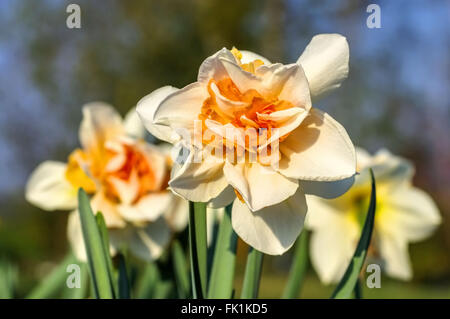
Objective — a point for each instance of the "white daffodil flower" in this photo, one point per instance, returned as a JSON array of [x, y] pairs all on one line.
[[404, 214], [126, 177], [297, 149]]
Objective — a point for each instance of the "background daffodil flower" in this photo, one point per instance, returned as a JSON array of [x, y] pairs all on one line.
[[404, 214], [126, 177], [238, 90]]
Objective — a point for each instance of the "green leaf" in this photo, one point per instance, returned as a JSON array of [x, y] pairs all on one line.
[[53, 282], [298, 268], [148, 281], [123, 282], [198, 249], [96, 250], [8, 279], [252, 275], [180, 270], [222, 272], [349, 281], [78, 293], [101, 224]]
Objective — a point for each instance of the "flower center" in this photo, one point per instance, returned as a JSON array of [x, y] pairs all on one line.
[[116, 167]]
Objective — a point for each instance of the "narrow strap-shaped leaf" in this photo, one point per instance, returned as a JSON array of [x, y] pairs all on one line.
[[198, 249], [123, 281], [298, 268], [222, 272], [95, 249], [148, 281], [348, 282], [181, 270], [358, 289], [79, 293], [105, 240], [252, 275], [53, 282]]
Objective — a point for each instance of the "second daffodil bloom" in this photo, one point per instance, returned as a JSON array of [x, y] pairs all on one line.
[[403, 214], [236, 94], [126, 177]]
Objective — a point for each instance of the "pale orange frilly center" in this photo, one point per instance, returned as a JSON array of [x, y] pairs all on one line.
[[106, 166]]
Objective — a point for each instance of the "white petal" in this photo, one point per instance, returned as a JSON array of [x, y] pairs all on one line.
[[146, 109], [325, 62], [127, 190], [100, 203], [212, 67], [100, 123], [318, 150], [242, 79], [408, 213], [394, 253], [133, 124], [286, 121], [327, 189], [225, 198], [148, 208], [391, 170], [198, 182], [147, 242], [227, 106], [75, 236], [296, 89], [181, 109], [363, 158], [48, 188], [259, 186], [333, 240], [274, 229], [287, 82], [177, 215], [248, 56], [120, 157]]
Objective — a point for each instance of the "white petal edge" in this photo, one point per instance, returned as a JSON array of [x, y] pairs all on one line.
[[327, 190], [333, 240], [198, 181], [146, 109], [146, 243], [75, 237], [249, 56], [133, 124], [47, 187], [180, 109], [408, 213], [177, 215], [149, 208], [318, 150], [325, 62], [101, 122], [274, 229], [258, 185]]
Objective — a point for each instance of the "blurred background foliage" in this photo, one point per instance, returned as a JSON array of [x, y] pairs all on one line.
[[396, 96]]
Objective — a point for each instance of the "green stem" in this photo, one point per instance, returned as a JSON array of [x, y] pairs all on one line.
[[298, 268], [198, 248], [252, 275], [358, 290], [222, 272]]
